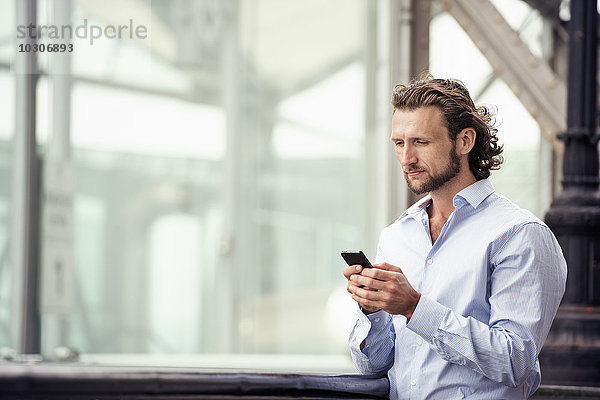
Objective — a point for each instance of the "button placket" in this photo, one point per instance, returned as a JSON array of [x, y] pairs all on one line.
[[426, 271]]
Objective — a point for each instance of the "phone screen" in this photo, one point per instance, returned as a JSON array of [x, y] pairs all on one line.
[[353, 257]]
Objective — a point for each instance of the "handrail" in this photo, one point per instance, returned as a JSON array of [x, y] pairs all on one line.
[[54, 381]]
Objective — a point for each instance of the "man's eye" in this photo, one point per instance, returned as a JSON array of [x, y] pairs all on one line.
[[421, 142], [399, 144]]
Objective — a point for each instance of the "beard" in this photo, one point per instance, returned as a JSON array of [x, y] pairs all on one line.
[[434, 182]]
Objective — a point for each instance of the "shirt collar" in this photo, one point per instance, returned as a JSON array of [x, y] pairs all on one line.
[[473, 194], [417, 209]]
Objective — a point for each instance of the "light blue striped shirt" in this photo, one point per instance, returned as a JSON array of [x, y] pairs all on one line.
[[490, 285]]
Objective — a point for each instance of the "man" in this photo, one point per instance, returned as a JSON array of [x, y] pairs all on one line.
[[466, 284]]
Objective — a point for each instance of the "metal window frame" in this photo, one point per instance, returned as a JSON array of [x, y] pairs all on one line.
[[25, 337]]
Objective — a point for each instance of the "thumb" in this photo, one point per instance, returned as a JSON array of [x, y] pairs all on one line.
[[388, 267]]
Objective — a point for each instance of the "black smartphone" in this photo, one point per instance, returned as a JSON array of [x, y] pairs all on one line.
[[353, 257]]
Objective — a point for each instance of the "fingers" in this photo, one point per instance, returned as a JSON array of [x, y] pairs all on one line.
[[351, 270], [353, 284], [364, 296], [381, 272], [366, 305], [382, 288], [366, 282], [388, 267], [371, 272]]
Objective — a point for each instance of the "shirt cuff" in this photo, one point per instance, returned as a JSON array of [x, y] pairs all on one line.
[[375, 321], [378, 320], [366, 324], [427, 318]]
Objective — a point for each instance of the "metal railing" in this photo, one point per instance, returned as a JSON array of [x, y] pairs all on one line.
[[48, 381]]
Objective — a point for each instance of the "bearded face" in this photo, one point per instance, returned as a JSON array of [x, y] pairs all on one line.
[[425, 182], [424, 148]]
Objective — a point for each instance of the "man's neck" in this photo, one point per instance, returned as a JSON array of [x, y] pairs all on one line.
[[442, 204]]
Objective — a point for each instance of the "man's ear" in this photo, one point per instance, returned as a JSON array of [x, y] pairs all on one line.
[[465, 141]]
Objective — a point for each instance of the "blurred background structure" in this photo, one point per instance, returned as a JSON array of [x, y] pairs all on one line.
[[182, 198]]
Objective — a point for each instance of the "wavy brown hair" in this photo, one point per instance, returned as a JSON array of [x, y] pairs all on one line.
[[459, 111]]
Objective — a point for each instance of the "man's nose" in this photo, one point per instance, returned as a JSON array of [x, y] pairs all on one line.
[[407, 156]]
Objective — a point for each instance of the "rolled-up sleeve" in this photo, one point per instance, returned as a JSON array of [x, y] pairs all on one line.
[[377, 331]]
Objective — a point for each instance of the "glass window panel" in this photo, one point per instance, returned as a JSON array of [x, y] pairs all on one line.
[[525, 20], [7, 129], [250, 123], [453, 54], [518, 178], [7, 118], [175, 283], [7, 32]]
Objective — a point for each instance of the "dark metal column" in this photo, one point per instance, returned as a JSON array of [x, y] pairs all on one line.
[[572, 351]]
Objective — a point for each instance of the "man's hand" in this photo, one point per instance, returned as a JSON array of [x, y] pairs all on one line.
[[349, 272], [383, 287]]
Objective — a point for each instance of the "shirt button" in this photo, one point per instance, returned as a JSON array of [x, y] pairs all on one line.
[[430, 261], [413, 382], [377, 319], [420, 342]]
